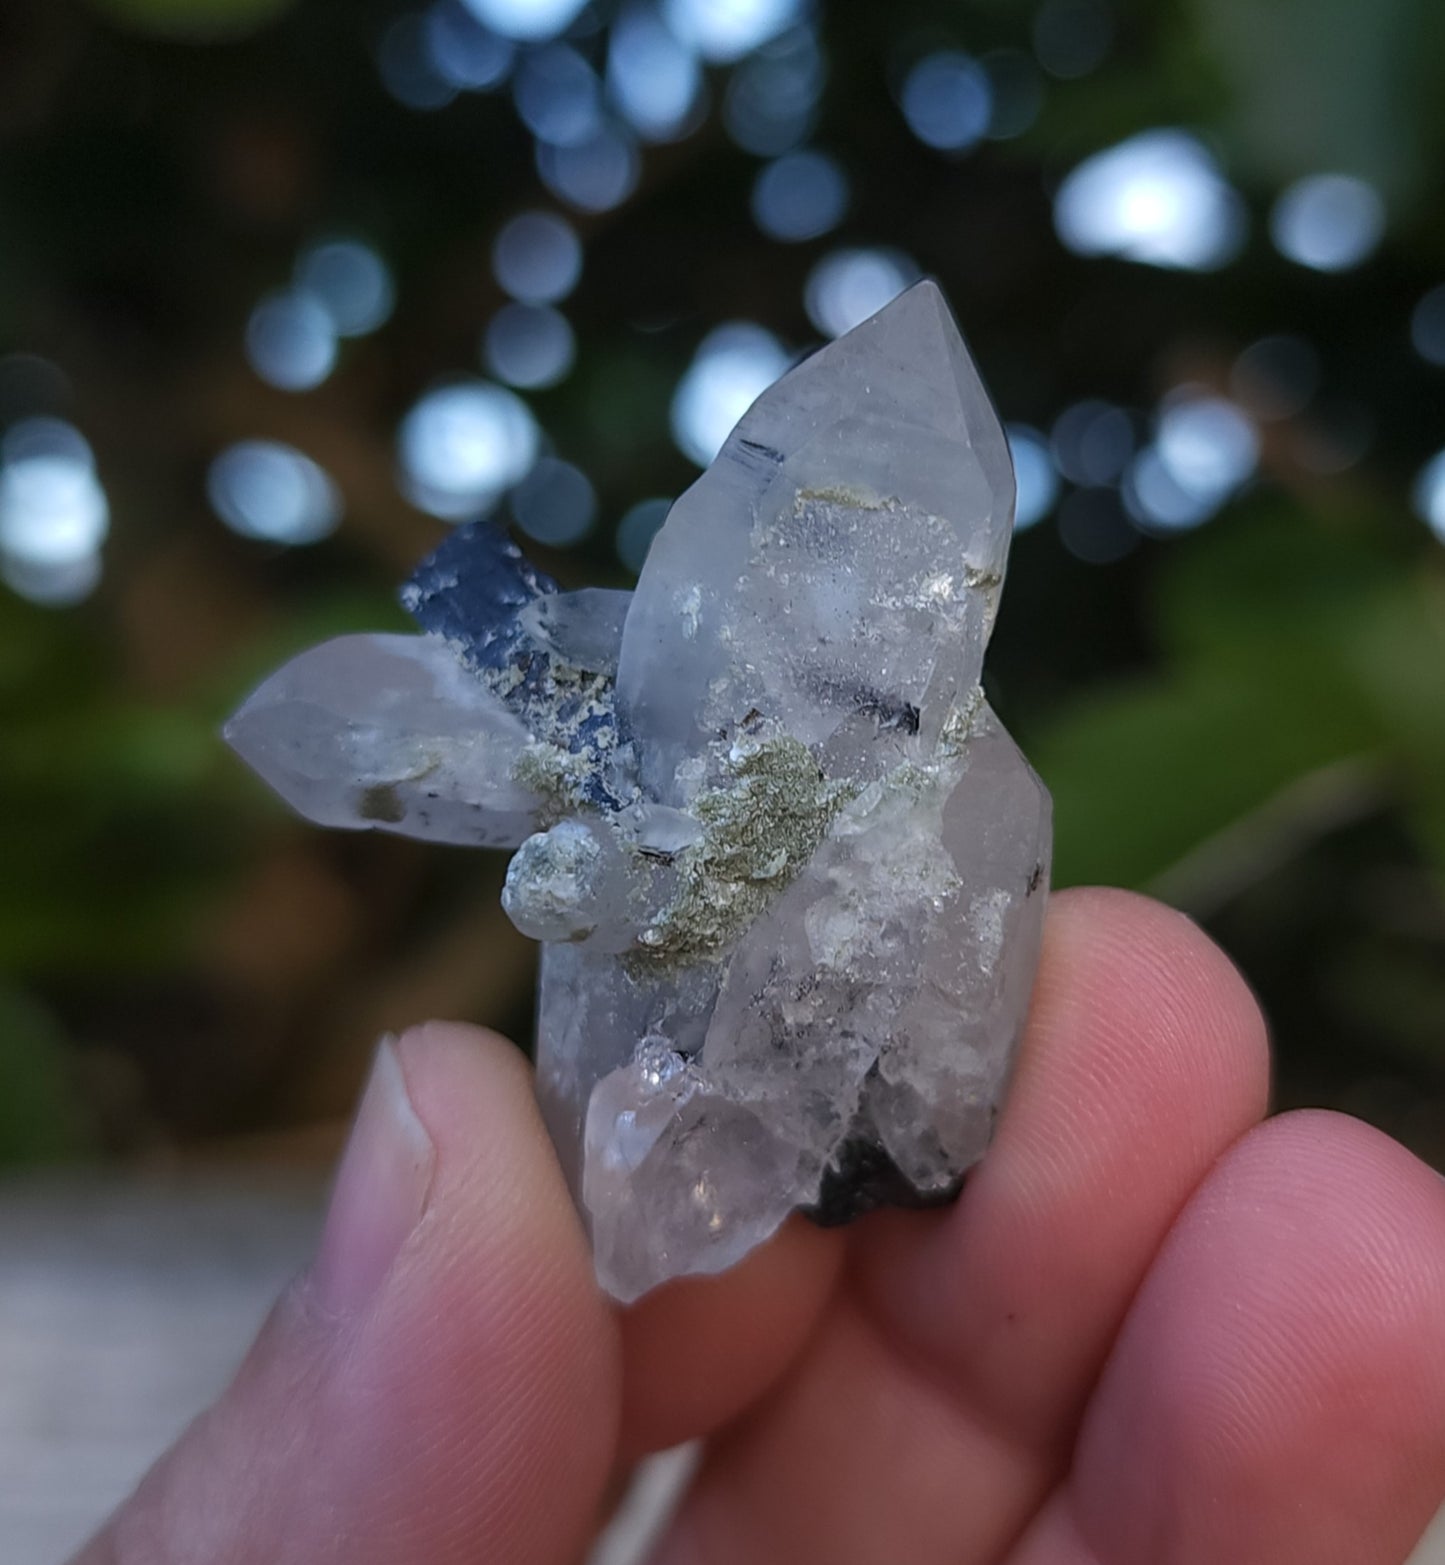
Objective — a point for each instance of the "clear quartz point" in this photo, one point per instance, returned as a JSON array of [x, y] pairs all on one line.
[[583, 629], [788, 869], [838, 566], [389, 732]]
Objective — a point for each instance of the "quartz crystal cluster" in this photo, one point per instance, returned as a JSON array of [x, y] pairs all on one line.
[[787, 867]]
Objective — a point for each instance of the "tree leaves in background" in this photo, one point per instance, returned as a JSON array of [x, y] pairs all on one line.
[[1330, 85], [40, 1120], [1304, 680], [124, 819]]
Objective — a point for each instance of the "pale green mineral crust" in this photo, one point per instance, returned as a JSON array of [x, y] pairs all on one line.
[[758, 832], [555, 775]]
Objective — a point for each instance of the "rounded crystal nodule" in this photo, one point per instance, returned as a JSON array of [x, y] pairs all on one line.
[[657, 1060], [554, 888]]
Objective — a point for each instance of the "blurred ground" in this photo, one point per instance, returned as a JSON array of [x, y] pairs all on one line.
[[124, 1308]]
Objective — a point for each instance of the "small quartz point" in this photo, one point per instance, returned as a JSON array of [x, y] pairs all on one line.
[[787, 867], [390, 732]]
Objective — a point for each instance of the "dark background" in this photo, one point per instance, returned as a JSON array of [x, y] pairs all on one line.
[[1223, 641]]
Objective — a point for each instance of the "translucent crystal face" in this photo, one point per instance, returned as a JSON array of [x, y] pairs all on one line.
[[787, 867], [838, 562]]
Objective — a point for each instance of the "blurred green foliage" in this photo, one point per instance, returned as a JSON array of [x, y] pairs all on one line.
[[1288, 650], [1332, 84], [39, 1115], [1248, 720]]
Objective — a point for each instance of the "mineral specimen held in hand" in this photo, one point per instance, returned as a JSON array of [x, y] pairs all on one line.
[[787, 866]]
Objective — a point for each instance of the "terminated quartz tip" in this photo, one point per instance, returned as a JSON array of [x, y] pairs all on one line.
[[787, 866]]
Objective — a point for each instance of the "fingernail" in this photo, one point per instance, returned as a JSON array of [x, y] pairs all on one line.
[[381, 1191]]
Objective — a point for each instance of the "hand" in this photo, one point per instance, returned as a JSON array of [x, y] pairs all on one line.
[[1153, 1331]]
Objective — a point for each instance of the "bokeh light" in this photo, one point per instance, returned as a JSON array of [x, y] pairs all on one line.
[[1335, 436], [267, 490], [32, 438], [555, 503], [1092, 442], [1017, 90], [1034, 473], [530, 21], [1158, 502], [640, 524], [947, 99], [1158, 198], [1427, 326], [31, 385], [848, 286], [537, 257], [529, 345], [351, 282], [1276, 377], [725, 30], [733, 366], [1205, 447], [54, 514], [594, 175], [1094, 528], [800, 196], [291, 341], [558, 96], [462, 52], [1072, 37], [654, 80], [1430, 495], [54, 585], [407, 62], [1328, 222], [772, 98], [53, 509], [1208, 444], [462, 445]]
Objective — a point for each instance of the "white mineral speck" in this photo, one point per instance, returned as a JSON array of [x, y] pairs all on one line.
[[689, 611]]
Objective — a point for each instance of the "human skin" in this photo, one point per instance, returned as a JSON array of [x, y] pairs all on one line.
[[1154, 1330]]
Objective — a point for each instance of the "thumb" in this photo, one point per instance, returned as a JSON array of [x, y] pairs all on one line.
[[442, 1384]]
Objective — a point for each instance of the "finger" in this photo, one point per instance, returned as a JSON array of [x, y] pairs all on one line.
[[1146, 1056], [443, 1385], [935, 1413], [700, 1351], [1277, 1396]]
